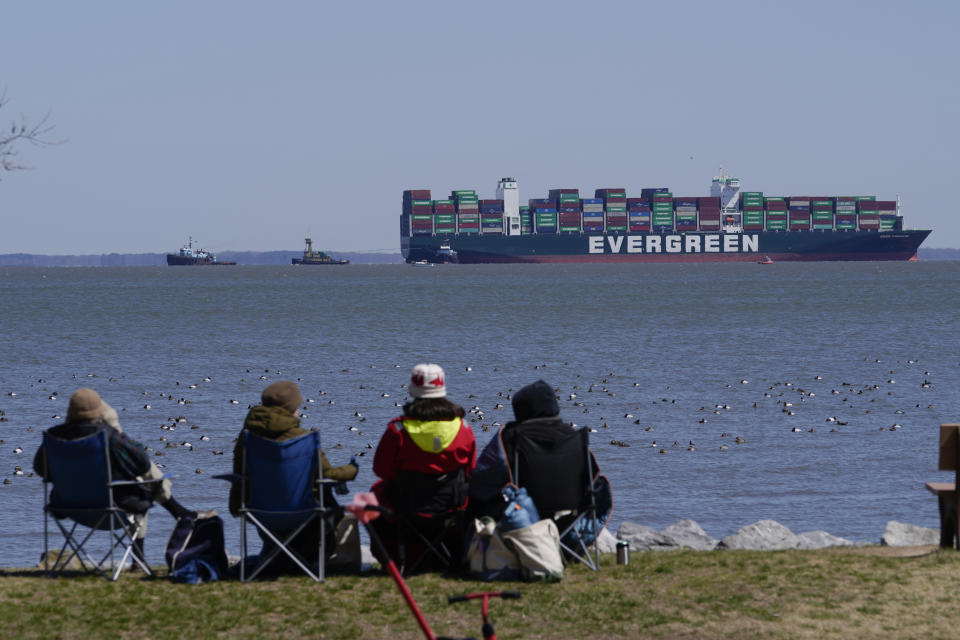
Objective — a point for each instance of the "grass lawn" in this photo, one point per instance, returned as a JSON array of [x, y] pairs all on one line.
[[863, 592]]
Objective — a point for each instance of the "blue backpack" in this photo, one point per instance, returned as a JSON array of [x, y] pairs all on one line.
[[520, 511]]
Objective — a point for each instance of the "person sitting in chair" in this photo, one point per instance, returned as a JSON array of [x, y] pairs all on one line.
[[430, 439], [275, 418], [536, 416], [88, 414]]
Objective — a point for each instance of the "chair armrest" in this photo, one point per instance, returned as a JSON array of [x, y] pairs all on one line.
[[230, 477], [122, 483]]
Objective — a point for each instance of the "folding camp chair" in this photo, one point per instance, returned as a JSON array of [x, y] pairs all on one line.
[[83, 492], [430, 512], [559, 474], [277, 497]]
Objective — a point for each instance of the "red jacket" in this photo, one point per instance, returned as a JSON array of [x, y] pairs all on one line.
[[398, 451]]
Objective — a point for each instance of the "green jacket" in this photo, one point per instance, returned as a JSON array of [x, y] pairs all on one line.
[[276, 423]]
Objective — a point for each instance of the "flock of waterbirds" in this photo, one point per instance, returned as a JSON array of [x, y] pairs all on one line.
[[630, 413]]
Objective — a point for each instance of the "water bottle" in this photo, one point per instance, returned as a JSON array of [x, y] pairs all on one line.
[[623, 552]]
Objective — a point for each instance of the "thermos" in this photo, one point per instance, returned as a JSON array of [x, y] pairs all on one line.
[[623, 552]]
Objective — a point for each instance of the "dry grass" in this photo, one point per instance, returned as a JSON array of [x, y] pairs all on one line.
[[871, 592]]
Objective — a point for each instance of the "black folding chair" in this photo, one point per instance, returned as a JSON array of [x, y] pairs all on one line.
[[430, 511], [559, 473], [83, 487]]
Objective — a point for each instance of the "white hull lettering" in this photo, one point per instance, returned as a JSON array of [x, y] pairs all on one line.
[[692, 243]]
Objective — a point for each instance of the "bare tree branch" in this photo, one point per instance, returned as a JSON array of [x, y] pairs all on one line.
[[22, 132]]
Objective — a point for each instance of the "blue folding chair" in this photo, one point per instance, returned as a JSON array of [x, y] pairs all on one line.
[[277, 496], [83, 492]]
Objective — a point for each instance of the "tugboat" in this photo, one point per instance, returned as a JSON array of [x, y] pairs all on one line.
[[188, 256], [765, 260], [315, 257], [446, 255]]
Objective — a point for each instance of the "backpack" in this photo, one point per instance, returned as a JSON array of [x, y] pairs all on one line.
[[195, 551]]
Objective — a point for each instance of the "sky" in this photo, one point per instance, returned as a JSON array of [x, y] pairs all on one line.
[[250, 125]]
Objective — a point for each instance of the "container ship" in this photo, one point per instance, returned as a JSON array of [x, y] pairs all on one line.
[[188, 256], [728, 226]]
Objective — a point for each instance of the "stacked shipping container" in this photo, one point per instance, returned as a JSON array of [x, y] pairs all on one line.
[[468, 210], [544, 213], [821, 213], [708, 210], [887, 210], [752, 206], [491, 216], [567, 202], [661, 208], [638, 214], [798, 213], [615, 208], [845, 213], [868, 216], [592, 214], [418, 209], [775, 213], [656, 210]]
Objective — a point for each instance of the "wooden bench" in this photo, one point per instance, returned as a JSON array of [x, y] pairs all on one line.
[[946, 492]]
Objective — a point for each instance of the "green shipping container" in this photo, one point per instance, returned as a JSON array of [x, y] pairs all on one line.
[[443, 202], [421, 216], [464, 192], [569, 228], [421, 203]]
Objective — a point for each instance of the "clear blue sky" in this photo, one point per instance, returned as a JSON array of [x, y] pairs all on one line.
[[249, 125]]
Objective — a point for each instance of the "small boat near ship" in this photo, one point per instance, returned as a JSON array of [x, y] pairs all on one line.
[[765, 260], [188, 256], [316, 257]]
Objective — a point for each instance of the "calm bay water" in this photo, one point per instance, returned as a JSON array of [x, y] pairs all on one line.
[[697, 352]]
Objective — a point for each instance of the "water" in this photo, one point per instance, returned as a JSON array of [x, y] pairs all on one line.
[[660, 344]]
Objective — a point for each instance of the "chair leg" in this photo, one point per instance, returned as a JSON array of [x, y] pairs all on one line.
[[243, 546], [284, 547]]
